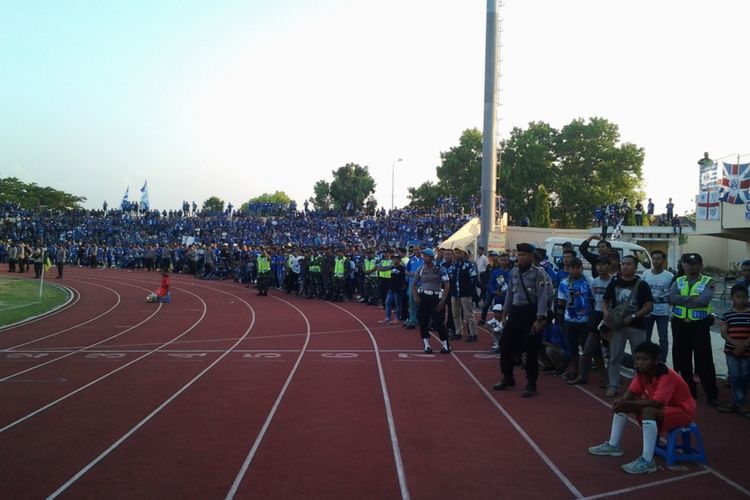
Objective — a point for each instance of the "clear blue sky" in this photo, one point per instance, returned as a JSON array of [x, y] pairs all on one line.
[[237, 98]]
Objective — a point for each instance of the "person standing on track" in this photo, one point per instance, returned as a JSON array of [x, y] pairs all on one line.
[[264, 272], [524, 318], [658, 397], [430, 289], [690, 296], [61, 256]]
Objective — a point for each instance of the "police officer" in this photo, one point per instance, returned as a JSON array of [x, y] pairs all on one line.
[[691, 297], [316, 283], [339, 275], [430, 289], [384, 274], [524, 319], [263, 264], [369, 269]]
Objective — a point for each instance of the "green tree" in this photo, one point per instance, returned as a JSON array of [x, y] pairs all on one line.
[[527, 162], [540, 209], [31, 195], [460, 170], [278, 197], [592, 168], [322, 197], [351, 183], [425, 195], [213, 204]]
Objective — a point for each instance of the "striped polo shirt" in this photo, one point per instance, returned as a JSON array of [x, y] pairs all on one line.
[[738, 327]]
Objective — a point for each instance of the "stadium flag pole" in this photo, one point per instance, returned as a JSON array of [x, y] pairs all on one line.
[[41, 279]]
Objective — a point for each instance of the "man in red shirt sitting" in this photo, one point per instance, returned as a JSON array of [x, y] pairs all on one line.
[[661, 400]]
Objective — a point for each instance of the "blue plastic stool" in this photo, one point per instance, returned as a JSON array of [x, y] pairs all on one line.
[[684, 452]]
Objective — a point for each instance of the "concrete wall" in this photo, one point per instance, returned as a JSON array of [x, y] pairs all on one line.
[[717, 252]]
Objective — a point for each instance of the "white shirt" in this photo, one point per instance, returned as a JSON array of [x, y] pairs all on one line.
[[481, 264], [659, 284]]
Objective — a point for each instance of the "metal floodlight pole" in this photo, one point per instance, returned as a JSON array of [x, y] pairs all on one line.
[[393, 179], [489, 135]]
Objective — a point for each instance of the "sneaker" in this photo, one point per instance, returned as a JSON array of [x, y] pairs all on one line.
[[428, 350], [455, 336], [445, 350], [529, 391], [410, 327], [472, 338], [394, 322], [606, 449], [504, 384], [384, 321], [611, 392], [569, 376], [640, 466]]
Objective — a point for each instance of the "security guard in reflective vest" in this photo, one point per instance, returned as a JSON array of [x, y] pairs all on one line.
[[369, 268], [384, 274], [263, 263], [339, 274], [316, 284], [691, 297]]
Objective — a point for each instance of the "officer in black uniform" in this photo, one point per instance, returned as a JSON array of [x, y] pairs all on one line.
[[524, 319]]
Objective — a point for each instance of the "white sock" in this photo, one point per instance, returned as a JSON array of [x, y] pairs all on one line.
[[445, 344], [426, 342], [650, 432], [618, 426]]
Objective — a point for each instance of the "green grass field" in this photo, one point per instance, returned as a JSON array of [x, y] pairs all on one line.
[[19, 299]]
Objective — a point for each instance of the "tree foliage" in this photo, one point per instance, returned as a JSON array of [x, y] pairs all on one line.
[[28, 196], [425, 195], [351, 183], [460, 171], [213, 204], [580, 166], [278, 198], [540, 209], [322, 195]]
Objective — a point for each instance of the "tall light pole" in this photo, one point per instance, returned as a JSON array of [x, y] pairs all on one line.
[[489, 135], [393, 179]]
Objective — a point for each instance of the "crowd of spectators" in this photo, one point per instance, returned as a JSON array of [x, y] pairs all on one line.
[[127, 239]]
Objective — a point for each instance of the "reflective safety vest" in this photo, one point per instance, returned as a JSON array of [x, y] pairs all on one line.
[[370, 265], [691, 314], [385, 263], [338, 267], [314, 266], [264, 265]]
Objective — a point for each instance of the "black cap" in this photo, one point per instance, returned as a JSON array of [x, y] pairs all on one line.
[[525, 247], [692, 257]]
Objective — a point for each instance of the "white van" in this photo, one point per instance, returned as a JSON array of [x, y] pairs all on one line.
[[554, 247]]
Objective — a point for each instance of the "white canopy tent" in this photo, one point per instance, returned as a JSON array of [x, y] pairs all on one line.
[[465, 237]]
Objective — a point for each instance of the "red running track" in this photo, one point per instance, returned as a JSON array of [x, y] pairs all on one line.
[[222, 394]]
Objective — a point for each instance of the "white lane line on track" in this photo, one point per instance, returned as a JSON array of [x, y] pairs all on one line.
[[74, 297], [400, 471], [256, 445], [647, 485], [545, 458], [119, 300], [711, 470], [82, 349], [106, 375], [159, 408]]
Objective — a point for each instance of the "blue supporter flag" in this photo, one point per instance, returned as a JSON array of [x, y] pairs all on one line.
[[144, 196]]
